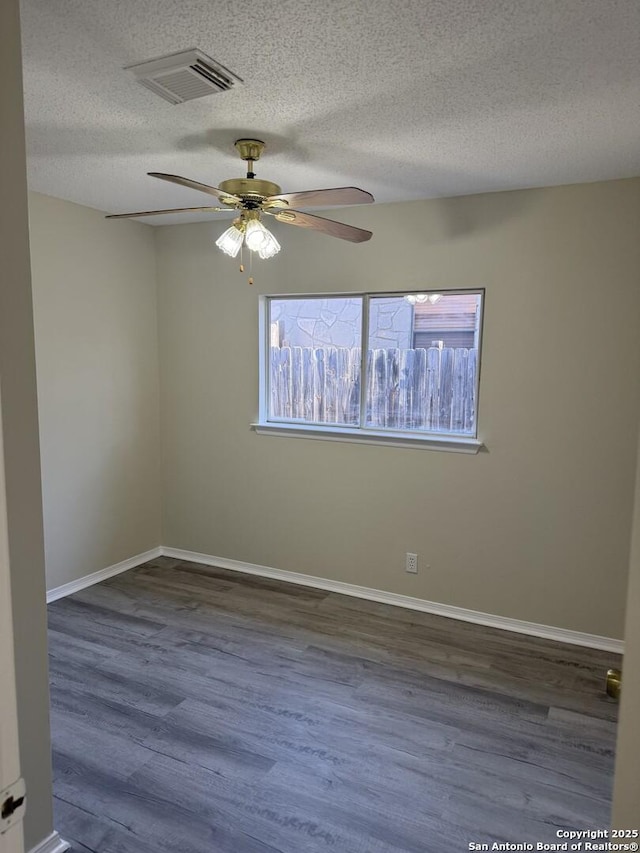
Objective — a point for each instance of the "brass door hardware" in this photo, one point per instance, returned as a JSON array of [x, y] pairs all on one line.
[[614, 683]]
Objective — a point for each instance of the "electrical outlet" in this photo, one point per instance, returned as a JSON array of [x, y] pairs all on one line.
[[411, 564]]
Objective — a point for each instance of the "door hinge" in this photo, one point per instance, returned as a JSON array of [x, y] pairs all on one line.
[[13, 802]]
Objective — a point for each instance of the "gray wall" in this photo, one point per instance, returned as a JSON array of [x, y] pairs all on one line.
[[537, 527], [22, 457], [94, 293]]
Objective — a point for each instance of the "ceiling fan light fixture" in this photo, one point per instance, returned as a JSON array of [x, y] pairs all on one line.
[[270, 247], [230, 240], [256, 235]]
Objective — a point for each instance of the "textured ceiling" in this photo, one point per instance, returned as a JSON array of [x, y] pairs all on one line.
[[407, 99]]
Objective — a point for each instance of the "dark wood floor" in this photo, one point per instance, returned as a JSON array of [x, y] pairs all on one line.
[[205, 711]]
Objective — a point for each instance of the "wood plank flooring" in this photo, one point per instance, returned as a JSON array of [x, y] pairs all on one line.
[[198, 710]]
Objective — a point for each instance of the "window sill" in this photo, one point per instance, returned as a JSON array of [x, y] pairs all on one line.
[[452, 443]]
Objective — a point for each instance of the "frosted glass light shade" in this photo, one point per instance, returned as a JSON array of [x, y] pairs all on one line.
[[270, 247], [256, 235], [230, 241]]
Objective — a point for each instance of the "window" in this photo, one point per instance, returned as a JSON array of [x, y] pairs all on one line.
[[415, 379]]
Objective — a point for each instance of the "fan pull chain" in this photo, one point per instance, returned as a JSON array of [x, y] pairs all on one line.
[[250, 264]]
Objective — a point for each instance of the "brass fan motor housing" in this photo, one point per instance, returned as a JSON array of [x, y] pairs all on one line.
[[252, 189]]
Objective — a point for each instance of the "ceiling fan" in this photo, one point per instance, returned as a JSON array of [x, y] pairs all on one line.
[[254, 198]]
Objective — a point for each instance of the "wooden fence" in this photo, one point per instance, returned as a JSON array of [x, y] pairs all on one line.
[[431, 389]]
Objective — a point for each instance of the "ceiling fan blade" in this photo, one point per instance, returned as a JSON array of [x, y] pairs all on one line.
[[195, 185], [319, 223], [329, 197], [174, 210]]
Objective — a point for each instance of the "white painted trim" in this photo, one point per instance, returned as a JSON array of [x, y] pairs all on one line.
[[95, 577], [52, 844], [504, 623], [452, 444]]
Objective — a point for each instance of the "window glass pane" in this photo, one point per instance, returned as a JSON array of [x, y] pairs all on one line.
[[314, 360], [422, 362]]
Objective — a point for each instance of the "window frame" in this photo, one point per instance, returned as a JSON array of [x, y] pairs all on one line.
[[359, 434]]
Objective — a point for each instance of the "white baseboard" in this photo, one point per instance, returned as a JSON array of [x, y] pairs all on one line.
[[103, 574], [504, 623], [52, 844]]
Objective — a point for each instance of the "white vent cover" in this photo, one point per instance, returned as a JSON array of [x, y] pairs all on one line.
[[184, 76]]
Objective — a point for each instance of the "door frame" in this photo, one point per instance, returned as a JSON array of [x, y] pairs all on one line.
[[12, 840]]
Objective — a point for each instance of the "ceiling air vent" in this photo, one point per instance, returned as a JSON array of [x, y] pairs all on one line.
[[184, 76]]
